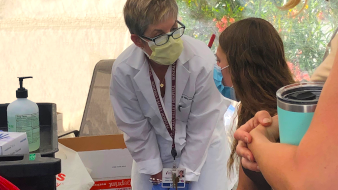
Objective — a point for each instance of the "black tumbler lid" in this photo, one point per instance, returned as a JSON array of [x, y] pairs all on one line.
[[302, 95]]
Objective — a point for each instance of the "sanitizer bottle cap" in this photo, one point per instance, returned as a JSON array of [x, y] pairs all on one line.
[[22, 92]]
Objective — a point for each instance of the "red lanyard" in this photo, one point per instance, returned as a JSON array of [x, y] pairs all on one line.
[[173, 104]]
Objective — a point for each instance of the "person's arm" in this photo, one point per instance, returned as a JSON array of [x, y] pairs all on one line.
[[244, 182], [313, 164], [139, 135], [206, 110], [275, 160], [323, 70]]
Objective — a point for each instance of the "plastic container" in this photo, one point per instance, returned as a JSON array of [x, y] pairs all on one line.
[[23, 116], [6, 185], [296, 104], [37, 170]]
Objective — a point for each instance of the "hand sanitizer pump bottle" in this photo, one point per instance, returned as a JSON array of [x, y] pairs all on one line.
[[23, 116]]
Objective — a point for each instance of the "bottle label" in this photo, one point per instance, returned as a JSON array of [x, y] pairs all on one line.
[[11, 127], [32, 156], [28, 123]]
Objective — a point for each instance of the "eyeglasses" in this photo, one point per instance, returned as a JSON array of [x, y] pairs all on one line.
[[164, 38]]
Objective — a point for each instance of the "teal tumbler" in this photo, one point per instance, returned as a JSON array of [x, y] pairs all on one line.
[[296, 104]]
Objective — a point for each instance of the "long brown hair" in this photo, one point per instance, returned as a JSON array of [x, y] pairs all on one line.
[[257, 65]]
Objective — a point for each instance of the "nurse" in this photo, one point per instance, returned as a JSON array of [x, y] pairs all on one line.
[[165, 100]]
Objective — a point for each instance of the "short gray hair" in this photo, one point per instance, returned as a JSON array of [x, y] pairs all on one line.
[[139, 14]]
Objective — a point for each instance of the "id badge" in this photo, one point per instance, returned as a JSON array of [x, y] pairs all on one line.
[[170, 174]]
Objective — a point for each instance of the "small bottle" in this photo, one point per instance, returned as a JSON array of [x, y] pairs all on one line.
[[23, 116]]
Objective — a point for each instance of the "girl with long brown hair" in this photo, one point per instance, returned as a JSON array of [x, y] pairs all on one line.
[[251, 59]]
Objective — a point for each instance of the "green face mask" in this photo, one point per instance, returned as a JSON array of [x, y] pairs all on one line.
[[168, 53]]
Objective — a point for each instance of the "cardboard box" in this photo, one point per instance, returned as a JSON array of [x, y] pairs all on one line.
[[13, 143], [107, 158]]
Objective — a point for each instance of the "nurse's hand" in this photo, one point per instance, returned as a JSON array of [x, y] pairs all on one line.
[[157, 178], [244, 138]]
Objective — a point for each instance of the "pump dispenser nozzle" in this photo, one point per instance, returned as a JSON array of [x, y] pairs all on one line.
[[22, 92]]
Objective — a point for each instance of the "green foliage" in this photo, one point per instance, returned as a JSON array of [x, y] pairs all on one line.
[[305, 35]]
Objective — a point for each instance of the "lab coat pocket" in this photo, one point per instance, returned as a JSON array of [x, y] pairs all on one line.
[[184, 108]]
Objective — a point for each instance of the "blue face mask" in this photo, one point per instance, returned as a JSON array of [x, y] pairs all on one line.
[[226, 91]]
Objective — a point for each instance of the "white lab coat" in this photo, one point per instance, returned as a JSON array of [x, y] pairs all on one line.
[[230, 124], [200, 135]]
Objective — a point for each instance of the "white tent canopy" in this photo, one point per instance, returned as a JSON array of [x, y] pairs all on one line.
[[58, 43]]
